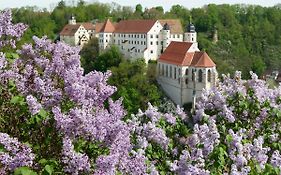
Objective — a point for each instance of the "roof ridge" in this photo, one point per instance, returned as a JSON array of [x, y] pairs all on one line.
[[107, 27]]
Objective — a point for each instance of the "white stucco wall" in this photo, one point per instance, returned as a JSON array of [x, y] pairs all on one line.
[[140, 45], [179, 86]]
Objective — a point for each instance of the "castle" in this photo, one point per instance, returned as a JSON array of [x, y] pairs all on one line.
[[183, 71]]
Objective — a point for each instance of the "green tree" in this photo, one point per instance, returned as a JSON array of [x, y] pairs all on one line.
[[89, 54], [109, 58], [134, 85]]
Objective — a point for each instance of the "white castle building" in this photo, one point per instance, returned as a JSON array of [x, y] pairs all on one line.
[[140, 38], [184, 71]]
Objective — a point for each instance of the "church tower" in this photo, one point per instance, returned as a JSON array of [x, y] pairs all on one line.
[[190, 35], [72, 20], [166, 36]]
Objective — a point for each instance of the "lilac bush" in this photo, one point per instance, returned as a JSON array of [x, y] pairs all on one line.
[[50, 77]]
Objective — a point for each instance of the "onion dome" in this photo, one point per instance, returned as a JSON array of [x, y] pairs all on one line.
[[166, 27], [190, 28]]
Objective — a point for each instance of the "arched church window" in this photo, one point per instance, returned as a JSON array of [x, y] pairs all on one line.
[[209, 75], [192, 76], [200, 75], [186, 72]]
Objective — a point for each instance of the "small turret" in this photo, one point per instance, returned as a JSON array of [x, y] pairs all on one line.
[[166, 35], [72, 20], [166, 26], [190, 28]]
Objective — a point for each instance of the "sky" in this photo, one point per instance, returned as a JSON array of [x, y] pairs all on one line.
[[50, 4]]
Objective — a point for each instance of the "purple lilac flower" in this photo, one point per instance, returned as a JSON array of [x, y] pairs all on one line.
[[9, 32], [75, 163], [16, 154], [34, 106]]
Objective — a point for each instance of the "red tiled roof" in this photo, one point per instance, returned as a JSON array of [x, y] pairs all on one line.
[[107, 27], [88, 25], [174, 24], [98, 27], [177, 53], [134, 26], [70, 29]]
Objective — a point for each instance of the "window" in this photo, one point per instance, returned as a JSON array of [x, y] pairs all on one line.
[[178, 35], [209, 75], [200, 76], [175, 73], [152, 52], [151, 36], [151, 43], [156, 42], [171, 72], [166, 70], [156, 36], [159, 71], [186, 72], [191, 39], [106, 41], [162, 70], [144, 43], [193, 73]]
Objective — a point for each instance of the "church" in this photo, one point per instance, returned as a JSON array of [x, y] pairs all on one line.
[[183, 71]]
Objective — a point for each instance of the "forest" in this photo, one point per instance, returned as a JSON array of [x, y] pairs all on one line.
[[248, 36]]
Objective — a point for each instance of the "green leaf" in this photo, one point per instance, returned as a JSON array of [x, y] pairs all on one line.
[[15, 99], [43, 161], [43, 113], [229, 138], [24, 171], [49, 169]]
